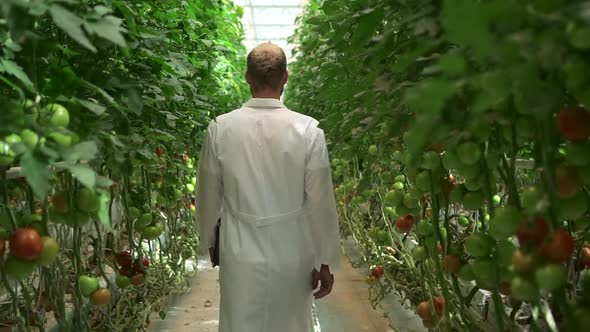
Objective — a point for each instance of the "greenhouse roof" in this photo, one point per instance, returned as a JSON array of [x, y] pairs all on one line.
[[270, 20]]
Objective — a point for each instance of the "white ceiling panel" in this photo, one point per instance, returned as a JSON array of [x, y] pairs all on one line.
[[270, 20]]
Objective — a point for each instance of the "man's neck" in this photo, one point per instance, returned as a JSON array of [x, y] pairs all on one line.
[[269, 94]]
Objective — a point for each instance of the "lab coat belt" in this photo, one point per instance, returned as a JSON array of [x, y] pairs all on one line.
[[265, 221]]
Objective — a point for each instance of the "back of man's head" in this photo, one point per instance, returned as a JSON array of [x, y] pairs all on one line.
[[267, 65]]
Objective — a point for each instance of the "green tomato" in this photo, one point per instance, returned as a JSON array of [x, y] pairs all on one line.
[[146, 219], [6, 154], [463, 221], [88, 285], [469, 153], [30, 138], [134, 212], [451, 160], [394, 197], [123, 281], [505, 222], [12, 139], [410, 201], [479, 245], [151, 233], [431, 160], [423, 181], [373, 150], [87, 200], [61, 139], [190, 187], [420, 253], [398, 186], [551, 277], [497, 200], [391, 212], [59, 115], [49, 251], [523, 290], [400, 178], [424, 228], [397, 156]]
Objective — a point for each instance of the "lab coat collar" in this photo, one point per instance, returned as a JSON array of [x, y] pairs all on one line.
[[264, 103]]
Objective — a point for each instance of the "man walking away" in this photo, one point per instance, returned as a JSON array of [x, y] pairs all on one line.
[[264, 170]]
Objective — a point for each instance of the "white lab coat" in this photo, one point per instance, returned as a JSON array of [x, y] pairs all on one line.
[[265, 170]]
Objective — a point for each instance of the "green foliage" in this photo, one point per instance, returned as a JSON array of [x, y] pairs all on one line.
[[478, 84], [132, 76]]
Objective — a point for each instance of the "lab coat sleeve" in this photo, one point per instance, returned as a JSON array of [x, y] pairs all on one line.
[[321, 203], [209, 198]]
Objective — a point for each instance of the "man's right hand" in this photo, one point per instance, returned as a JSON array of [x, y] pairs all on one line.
[[325, 279]]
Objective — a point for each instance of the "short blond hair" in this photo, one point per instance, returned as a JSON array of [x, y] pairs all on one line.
[[267, 64]]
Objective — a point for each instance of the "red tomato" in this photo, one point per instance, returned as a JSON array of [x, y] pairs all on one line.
[[127, 271], [439, 249], [377, 272], [566, 180], [532, 231], [2, 247], [124, 258], [404, 224], [560, 248], [424, 310], [439, 304], [145, 261], [25, 244], [159, 151], [101, 297], [452, 263], [164, 167], [574, 123]]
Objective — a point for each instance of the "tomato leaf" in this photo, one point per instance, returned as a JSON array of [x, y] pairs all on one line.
[[37, 174], [12, 68], [82, 151], [92, 106], [83, 173], [108, 28], [70, 24]]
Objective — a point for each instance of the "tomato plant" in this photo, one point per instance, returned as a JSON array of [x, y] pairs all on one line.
[[481, 136], [87, 93]]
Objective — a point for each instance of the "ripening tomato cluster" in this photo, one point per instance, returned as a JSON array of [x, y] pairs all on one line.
[[54, 118], [27, 249], [132, 270], [90, 288], [431, 313]]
